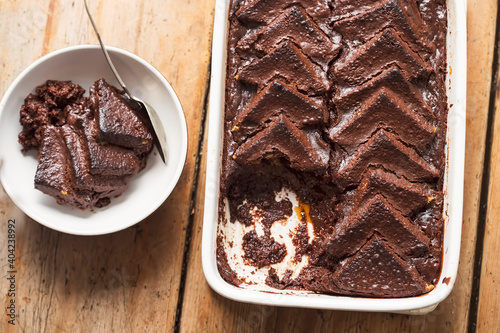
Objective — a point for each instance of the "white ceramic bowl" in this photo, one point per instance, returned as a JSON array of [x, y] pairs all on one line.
[[85, 64], [453, 187]]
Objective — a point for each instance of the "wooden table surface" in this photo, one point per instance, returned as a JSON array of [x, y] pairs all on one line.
[[149, 277]]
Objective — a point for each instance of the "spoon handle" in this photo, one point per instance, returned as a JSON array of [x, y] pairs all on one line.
[[145, 111], [106, 54]]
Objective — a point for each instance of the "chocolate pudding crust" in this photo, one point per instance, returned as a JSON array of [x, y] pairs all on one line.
[[342, 103]]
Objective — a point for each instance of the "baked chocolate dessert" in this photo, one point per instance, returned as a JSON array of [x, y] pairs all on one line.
[[88, 148], [334, 146], [118, 123]]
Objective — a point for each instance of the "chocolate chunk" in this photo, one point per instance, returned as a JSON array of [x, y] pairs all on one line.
[[54, 174], [80, 156], [262, 250], [118, 123]]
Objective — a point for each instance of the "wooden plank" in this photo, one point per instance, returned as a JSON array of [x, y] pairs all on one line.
[[128, 280], [489, 293], [215, 313]]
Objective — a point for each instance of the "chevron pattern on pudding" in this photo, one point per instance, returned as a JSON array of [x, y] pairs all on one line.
[[345, 108], [383, 273], [287, 61], [400, 15], [386, 150], [405, 196], [380, 52], [54, 175], [391, 79], [294, 24], [384, 110], [80, 157], [405, 238], [279, 97], [305, 151]]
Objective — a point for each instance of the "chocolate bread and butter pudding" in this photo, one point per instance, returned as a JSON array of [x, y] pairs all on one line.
[[88, 147], [334, 146]]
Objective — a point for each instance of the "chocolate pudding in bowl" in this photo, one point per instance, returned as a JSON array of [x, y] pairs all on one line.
[[89, 148], [97, 158]]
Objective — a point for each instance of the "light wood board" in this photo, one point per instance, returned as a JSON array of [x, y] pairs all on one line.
[[130, 280]]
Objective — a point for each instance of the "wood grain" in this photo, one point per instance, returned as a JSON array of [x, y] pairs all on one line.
[[216, 314], [489, 295], [127, 281]]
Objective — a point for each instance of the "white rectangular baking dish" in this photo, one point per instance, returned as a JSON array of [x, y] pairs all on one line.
[[453, 186]]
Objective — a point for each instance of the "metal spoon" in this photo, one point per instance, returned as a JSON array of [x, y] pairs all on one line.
[[159, 137]]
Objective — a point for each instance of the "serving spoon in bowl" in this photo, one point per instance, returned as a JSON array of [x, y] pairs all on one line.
[[144, 109]]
